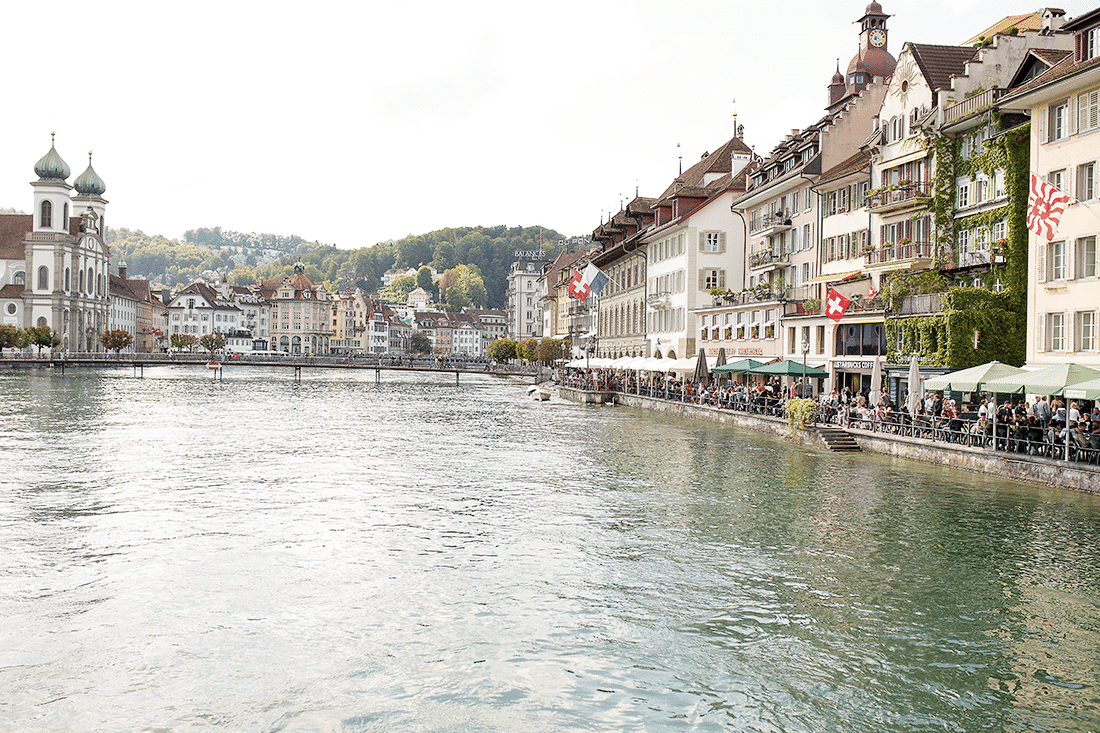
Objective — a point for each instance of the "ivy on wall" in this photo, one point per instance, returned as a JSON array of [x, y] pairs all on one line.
[[974, 325]]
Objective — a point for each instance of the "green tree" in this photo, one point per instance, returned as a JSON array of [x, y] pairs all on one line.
[[12, 337], [419, 343], [424, 278], [183, 341], [551, 350], [115, 340], [212, 342], [243, 276], [528, 349], [398, 291], [502, 350], [462, 287], [43, 337]]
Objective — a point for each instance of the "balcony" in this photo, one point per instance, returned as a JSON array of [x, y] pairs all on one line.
[[905, 255], [978, 257], [916, 305], [658, 300], [971, 105], [772, 224], [768, 259], [899, 196]]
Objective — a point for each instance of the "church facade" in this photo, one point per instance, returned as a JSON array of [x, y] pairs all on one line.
[[54, 262]]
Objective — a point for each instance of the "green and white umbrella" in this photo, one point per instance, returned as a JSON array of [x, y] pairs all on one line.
[[1051, 381], [972, 379]]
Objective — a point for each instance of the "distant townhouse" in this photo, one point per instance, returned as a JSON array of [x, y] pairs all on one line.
[[622, 304], [494, 325], [562, 315], [136, 310], [301, 314], [522, 299], [199, 310]]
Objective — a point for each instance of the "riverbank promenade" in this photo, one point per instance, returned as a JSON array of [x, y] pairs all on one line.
[[1059, 458]]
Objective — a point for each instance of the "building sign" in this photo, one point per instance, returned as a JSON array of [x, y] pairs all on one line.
[[534, 254], [750, 352], [854, 364]]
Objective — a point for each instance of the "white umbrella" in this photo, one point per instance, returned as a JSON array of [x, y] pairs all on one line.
[[916, 389], [876, 383]]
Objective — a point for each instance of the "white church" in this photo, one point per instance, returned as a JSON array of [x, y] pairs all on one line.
[[54, 261]]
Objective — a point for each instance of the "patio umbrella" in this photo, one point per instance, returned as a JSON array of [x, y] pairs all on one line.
[[788, 368], [1050, 381], [972, 379], [720, 360], [876, 383], [1089, 390], [744, 366], [916, 390], [702, 374]]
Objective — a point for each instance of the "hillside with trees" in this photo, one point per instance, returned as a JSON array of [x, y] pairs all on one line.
[[474, 260]]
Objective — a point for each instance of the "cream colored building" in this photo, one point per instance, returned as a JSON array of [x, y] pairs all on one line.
[[1063, 287], [301, 314]]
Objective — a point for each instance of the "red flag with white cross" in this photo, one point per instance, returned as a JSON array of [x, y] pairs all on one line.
[[836, 305]]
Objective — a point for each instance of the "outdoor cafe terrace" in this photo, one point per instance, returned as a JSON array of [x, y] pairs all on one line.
[[1009, 423]]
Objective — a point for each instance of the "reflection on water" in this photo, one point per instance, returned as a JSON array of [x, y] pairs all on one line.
[[419, 556]]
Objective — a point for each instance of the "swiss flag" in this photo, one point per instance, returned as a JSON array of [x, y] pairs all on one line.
[[836, 305], [578, 288]]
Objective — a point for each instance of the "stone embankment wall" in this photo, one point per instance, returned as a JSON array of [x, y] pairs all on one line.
[[1028, 469]]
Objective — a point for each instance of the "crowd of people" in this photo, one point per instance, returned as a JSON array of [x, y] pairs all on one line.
[[1039, 427]]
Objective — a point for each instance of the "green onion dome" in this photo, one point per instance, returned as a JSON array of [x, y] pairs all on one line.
[[51, 167], [89, 183]]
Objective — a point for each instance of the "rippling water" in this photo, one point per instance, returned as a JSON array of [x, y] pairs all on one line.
[[412, 555]]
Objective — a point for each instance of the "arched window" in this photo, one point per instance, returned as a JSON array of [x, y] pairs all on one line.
[[43, 278], [46, 215], [91, 279], [65, 216], [81, 281], [20, 278], [99, 285], [66, 279], [41, 321]]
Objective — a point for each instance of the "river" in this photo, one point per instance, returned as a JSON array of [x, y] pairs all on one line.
[[338, 554]]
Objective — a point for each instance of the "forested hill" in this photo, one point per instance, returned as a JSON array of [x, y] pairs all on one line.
[[248, 258]]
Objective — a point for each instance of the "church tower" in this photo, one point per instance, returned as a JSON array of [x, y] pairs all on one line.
[[52, 193], [873, 58]]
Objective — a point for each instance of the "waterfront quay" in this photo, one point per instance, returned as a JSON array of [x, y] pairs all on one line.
[[957, 442]]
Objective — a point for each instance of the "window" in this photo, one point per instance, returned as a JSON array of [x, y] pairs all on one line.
[[1056, 331], [794, 202], [1057, 179], [1058, 121], [1086, 257], [713, 278], [1089, 41], [999, 229], [1086, 331], [20, 278], [963, 198], [963, 240], [1086, 181], [1056, 261], [712, 241], [1088, 111], [43, 278], [46, 215]]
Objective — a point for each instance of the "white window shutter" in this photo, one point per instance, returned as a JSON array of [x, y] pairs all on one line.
[[702, 280], [721, 241], [702, 241], [1043, 114], [1068, 247], [721, 278], [1040, 341], [1071, 114], [1041, 261]]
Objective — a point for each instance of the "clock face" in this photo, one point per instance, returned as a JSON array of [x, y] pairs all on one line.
[[878, 37]]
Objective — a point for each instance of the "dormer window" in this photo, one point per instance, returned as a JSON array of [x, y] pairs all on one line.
[[1088, 42]]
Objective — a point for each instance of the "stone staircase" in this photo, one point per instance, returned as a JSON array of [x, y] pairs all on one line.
[[837, 439]]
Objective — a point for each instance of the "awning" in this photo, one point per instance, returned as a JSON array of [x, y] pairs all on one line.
[[832, 277]]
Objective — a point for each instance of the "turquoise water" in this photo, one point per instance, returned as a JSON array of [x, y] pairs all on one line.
[[341, 555]]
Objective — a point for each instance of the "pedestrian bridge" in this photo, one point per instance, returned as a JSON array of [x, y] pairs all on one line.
[[448, 364]]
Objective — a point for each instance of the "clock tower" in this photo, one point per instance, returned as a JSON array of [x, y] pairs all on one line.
[[873, 59]]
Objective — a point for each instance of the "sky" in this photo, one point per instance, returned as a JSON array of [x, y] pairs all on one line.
[[353, 123]]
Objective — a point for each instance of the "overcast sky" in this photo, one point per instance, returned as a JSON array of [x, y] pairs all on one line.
[[357, 122]]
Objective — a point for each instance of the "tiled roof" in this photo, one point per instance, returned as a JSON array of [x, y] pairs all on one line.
[[11, 291], [13, 227], [720, 161], [940, 63], [1061, 70], [858, 162]]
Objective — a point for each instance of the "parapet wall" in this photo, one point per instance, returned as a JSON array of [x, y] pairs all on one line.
[[1028, 469]]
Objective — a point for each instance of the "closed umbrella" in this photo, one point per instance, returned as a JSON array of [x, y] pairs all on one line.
[[876, 383], [916, 390], [720, 360], [702, 374]]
